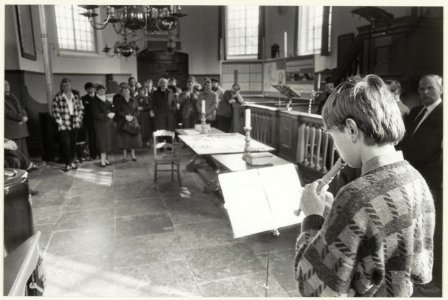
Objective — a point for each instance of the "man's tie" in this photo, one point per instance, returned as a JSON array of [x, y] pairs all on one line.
[[418, 119]]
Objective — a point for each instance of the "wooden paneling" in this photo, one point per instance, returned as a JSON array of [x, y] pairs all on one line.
[[156, 64]]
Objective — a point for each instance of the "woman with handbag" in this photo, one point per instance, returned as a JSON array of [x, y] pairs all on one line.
[[128, 129], [102, 113]]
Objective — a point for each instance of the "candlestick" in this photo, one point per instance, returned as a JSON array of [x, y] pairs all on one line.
[[203, 124], [247, 118], [318, 81], [286, 44], [203, 107], [247, 130]]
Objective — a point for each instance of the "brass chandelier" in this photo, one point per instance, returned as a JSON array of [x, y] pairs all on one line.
[[151, 18]]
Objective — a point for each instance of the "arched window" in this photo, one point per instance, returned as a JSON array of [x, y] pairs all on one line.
[[242, 31], [314, 30], [74, 31]]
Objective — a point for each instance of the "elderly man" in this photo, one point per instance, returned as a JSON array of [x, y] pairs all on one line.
[[422, 147]]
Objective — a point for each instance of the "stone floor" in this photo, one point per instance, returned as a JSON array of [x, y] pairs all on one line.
[[110, 232]]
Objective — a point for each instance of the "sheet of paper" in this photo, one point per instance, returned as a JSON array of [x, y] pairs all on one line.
[[283, 191], [246, 202], [191, 131]]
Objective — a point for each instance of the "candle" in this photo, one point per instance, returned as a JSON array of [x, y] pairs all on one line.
[[203, 106], [286, 44], [247, 119], [318, 81]]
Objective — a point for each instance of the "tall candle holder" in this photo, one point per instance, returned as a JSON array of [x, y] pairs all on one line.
[[203, 124], [247, 139]]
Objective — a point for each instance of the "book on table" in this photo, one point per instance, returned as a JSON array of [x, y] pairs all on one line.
[[262, 199]]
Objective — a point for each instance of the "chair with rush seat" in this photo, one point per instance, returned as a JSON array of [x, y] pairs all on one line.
[[164, 153]]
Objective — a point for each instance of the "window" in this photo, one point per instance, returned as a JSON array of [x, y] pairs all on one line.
[[74, 30], [311, 21], [242, 31]]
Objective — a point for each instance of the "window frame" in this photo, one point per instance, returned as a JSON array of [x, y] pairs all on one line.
[[226, 37], [303, 34], [97, 35]]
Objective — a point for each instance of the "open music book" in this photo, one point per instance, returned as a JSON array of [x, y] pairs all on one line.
[[261, 199]]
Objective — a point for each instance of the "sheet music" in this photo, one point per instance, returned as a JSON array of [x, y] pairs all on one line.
[[283, 191], [245, 201], [261, 199]]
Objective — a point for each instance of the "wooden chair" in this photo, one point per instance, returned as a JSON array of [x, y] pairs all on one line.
[[164, 153]]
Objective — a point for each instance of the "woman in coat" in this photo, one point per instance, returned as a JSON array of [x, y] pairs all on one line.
[[102, 114], [16, 119], [126, 109], [164, 106], [68, 112], [145, 107]]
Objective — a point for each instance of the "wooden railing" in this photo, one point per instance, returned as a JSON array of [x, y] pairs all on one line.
[[296, 136]]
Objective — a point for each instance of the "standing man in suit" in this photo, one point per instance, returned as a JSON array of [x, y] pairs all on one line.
[[422, 147]]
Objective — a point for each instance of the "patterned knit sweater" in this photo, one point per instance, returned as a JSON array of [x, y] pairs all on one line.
[[376, 241]]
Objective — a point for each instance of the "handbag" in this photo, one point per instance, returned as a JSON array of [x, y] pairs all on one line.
[[131, 127]]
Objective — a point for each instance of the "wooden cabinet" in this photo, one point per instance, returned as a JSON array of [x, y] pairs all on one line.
[[161, 63], [407, 49]]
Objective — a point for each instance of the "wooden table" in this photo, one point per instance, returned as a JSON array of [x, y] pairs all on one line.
[[224, 143], [212, 143], [235, 162], [192, 131]]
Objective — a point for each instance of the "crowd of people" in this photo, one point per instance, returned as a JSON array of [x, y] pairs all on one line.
[[128, 121]]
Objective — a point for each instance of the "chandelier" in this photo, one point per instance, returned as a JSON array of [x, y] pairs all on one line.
[[124, 48], [151, 18]]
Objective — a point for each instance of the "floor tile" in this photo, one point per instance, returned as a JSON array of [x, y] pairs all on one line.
[[86, 218], [204, 234], [143, 224], [46, 215], [164, 279], [142, 206], [185, 211], [144, 249], [81, 241], [250, 285], [215, 263]]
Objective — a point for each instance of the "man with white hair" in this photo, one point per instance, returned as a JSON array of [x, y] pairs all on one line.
[[422, 147]]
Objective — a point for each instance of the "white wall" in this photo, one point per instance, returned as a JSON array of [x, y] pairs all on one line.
[[199, 38], [65, 64], [278, 21]]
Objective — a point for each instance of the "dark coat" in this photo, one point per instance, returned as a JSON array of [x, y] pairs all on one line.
[[104, 127], [87, 102], [14, 113], [123, 108], [423, 149], [164, 106], [145, 103], [187, 101]]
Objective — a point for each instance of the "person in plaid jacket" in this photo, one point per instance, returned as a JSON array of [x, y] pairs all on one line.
[[68, 112]]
